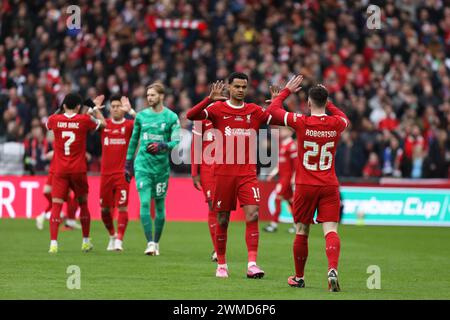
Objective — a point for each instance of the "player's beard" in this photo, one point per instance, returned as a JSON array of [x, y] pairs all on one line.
[[154, 104]]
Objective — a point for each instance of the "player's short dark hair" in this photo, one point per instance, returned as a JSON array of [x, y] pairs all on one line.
[[115, 97], [72, 100], [319, 95], [237, 75]]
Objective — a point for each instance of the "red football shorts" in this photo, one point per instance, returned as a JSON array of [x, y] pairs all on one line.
[[207, 182], [114, 190], [75, 181], [284, 189], [308, 198], [228, 189]]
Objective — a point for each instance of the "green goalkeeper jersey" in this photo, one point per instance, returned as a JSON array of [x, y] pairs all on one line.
[[149, 127]]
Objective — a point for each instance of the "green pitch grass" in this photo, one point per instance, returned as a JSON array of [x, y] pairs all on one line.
[[414, 263]]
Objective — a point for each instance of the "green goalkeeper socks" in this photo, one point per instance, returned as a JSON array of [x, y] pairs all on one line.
[[146, 219], [160, 218]]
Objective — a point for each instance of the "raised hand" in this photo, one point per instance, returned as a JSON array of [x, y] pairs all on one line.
[[216, 91], [274, 92], [126, 105], [294, 84], [99, 101]]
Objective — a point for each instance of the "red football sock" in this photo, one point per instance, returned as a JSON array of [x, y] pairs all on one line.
[[55, 220], [48, 196], [72, 206], [332, 248], [122, 223], [252, 238], [85, 219], [108, 221], [212, 222], [221, 242], [277, 213], [300, 254]]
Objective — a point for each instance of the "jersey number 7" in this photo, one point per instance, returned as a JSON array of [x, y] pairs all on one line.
[[325, 158], [68, 142]]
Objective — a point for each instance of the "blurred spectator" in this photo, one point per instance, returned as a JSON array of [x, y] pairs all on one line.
[[396, 79], [372, 167], [36, 148]]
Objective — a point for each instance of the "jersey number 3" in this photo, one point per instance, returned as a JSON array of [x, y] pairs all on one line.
[[68, 142], [325, 158]]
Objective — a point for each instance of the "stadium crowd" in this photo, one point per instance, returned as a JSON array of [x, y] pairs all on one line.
[[393, 83]]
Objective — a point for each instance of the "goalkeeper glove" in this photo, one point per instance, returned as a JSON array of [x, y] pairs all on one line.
[[157, 147], [129, 170]]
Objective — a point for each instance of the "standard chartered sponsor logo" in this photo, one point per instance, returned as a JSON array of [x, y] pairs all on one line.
[[239, 131], [153, 137], [411, 206]]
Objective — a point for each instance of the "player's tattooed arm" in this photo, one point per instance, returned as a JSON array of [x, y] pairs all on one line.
[[126, 106]]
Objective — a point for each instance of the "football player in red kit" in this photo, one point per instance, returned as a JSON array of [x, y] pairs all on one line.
[[287, 162], [114, 189], [70, 130], [317, 186], [236, 125], [202, 171], [70, 222]]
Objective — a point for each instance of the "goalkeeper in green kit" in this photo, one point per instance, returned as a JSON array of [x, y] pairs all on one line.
[[157, 131]]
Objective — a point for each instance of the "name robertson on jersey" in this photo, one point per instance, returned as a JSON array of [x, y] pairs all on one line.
[[320, 133], [68, 125]]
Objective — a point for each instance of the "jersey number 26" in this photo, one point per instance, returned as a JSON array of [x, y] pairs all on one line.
[[325, 158]]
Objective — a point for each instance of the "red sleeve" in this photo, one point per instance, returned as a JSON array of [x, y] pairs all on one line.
[[342, 120], [264, 117], [130, 128], [50, 123], [196, 148], [198, 112]]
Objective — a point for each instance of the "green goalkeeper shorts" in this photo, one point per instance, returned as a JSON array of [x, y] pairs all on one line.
[[156, 184]]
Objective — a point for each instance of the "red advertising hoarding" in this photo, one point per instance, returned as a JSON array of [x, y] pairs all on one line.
[[22, 197]]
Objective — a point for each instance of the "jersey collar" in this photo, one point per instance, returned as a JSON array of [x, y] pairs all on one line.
[[118, 122], [70, 115], [234, 106]]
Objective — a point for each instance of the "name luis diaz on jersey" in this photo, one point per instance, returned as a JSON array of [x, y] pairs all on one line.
[[68, 125]]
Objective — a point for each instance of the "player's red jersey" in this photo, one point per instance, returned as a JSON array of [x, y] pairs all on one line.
[[317, 136], [287, 158], [70, 133], [202, 137], [236, 139], [115, 139]]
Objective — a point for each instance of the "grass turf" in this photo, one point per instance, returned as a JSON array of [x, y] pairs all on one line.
[[414, 264]]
